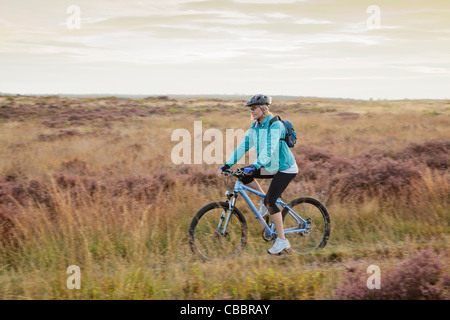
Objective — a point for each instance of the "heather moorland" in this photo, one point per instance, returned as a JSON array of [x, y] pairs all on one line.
[[91, 182]]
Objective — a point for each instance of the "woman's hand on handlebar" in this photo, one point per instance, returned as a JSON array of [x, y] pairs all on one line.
[[221, 169]]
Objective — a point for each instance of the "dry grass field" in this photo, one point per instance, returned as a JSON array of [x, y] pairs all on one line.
[[90, 182]]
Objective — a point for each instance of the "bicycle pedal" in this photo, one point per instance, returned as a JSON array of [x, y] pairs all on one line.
[[287, 251]]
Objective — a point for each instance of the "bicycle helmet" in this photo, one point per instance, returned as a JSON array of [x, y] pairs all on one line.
[[259, 99]]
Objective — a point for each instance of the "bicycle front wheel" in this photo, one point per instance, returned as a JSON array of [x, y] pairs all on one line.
[[212, 237], [315, 232]]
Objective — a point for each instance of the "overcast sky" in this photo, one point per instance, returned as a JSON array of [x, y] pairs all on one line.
[[324, 48]]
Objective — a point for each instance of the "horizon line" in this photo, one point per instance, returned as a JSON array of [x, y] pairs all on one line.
[[210, 95]]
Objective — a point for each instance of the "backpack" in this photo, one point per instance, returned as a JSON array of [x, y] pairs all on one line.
[[291, 137]]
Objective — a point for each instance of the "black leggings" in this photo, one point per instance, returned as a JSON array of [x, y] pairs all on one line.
[[277, 186]]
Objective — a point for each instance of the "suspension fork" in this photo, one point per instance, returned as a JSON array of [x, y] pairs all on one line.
[[231, 200]]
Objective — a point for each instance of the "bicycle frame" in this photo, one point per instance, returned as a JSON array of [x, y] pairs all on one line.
[[240, 188]]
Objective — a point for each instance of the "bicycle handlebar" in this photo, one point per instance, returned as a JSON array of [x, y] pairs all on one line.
[[238, 173]]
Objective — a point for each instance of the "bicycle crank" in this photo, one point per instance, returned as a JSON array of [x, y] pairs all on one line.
[[265, 234]]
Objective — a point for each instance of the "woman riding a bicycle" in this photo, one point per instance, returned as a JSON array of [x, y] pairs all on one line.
[[274, 161]]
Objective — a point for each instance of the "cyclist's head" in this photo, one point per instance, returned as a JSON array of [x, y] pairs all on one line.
[[259, 99], [260, 103]]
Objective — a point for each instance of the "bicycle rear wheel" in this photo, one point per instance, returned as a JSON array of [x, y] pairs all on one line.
[[209, 240], [316, 235]]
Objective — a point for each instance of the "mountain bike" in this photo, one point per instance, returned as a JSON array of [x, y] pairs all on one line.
[[219, 230]]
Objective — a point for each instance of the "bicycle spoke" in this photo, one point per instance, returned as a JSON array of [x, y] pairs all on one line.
[[212, 241], [308, 228]]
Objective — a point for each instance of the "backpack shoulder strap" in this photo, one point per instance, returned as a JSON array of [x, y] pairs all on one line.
[[275, 118]]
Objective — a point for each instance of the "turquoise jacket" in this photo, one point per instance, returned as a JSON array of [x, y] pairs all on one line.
[[272, 153]]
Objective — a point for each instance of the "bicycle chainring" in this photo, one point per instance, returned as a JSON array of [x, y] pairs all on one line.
[[265, 234]]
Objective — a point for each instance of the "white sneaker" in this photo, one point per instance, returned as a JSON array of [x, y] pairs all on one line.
[[279, 246], [262, 209]]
